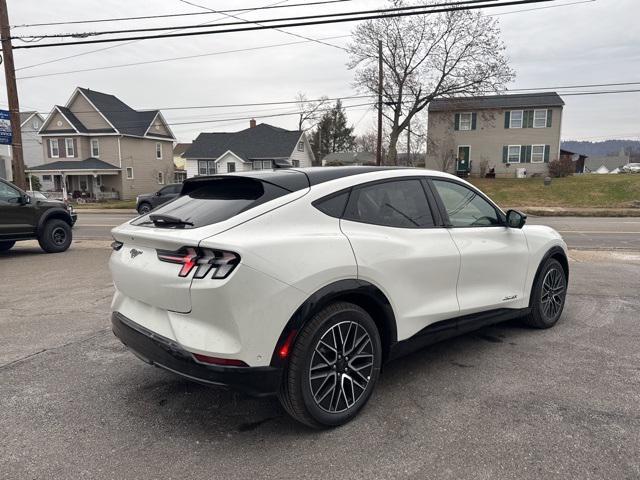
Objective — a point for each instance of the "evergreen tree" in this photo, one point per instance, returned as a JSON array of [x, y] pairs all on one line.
[[332, 133]]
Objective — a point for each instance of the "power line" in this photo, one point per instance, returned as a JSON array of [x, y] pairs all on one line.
[[122, 44], [170, 15], [290, 25], [257, 22], [589, 85], [186, 57]]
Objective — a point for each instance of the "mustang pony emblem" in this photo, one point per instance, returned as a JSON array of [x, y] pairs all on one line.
[[134, 253]]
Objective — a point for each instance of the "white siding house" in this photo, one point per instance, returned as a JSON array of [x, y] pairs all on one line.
[[259, 147]]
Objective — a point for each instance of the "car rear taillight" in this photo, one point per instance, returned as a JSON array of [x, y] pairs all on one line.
[[203, 260], [227, 362]]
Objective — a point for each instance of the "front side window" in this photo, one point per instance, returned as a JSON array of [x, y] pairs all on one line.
[[465, 121], [400, 203], [539, 119], [537, 154], [465, 207], [516, 119], [8, 194], [160, 178], [54, 148], [158, 151], [129, 173], [71, 151], [514, 154], [95, 148]]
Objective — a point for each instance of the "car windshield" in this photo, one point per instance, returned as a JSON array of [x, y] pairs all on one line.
[[38, 195]]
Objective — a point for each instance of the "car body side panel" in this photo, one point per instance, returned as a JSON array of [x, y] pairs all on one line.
[[540, 239]]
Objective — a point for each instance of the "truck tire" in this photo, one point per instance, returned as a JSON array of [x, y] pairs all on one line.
[[55, 236]]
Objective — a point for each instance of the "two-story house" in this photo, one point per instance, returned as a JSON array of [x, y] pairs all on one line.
[[500, 132], [259, 147], [30, 123], [97, 146]]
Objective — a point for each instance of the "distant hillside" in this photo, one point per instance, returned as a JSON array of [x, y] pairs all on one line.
[[607, 147]]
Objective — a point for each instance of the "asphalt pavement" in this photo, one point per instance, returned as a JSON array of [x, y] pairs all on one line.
[[506, 402], [586, 233]]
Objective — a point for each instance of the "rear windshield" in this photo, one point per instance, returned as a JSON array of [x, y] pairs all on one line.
[[213, 201]]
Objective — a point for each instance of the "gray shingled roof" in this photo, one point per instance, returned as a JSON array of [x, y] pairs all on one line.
[[88, 164], [126, 120], [526, 100], [24, 116], [261, 142], [348, 158], [72, 119]]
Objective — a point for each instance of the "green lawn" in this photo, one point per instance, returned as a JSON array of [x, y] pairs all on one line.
[[582, 191]]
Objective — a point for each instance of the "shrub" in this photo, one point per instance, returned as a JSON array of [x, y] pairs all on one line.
[[561, 168]]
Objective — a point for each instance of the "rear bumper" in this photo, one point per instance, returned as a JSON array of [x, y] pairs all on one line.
[[167, 354]]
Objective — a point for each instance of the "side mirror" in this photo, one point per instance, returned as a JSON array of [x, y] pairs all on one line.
[[158, 194], [516, 219], [25, 200]]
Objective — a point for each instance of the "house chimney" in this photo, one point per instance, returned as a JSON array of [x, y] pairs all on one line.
[[252, 123]]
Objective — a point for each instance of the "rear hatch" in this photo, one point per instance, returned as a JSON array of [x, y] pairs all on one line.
[[207, 206]]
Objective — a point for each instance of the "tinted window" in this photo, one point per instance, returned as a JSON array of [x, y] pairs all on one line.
[[400, 203], [8, 194], [171, 189], [333, 205], [465, 207], [216, 200]]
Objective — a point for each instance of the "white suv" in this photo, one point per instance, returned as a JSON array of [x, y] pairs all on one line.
[[304, 282]]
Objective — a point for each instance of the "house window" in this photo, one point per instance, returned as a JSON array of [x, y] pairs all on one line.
[[46, 178], [160, 178], [68, 143], [514, 154], [537, 153], [262, 165], [35, 124], [95, 148], [465, 121], [53, 148], [516, 119], [539, 119], [158, 151], [231, 167], [301, 146], [129, 173], [206, 167], [295, 163], [98, 180]]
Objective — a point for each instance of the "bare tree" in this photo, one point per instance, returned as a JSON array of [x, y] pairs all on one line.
[[447, 54], [309, 111]]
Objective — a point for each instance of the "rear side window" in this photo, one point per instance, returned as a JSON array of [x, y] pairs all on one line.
[[399, 203], [216, 200], [334, 205]]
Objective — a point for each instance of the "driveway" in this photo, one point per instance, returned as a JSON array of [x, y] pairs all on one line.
[[506, 402]]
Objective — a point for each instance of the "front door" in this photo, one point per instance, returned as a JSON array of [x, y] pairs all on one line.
[[494, 258], [463, 159], [16, 218], [399, 248]]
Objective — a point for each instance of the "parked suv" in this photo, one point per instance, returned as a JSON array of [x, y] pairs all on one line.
[[631, 168], [24, 218], [148, 201], [304, 282]]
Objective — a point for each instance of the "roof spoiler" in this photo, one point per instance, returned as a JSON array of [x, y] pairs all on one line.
[[291, 180]]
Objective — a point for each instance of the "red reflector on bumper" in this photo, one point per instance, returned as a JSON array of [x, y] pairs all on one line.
[[228, 362], [286, 346]]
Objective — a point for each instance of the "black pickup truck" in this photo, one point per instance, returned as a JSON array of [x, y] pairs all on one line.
[[25, 218]]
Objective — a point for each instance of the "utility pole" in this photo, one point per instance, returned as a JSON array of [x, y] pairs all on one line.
[[17, 160], [380, 73], [409, 163]]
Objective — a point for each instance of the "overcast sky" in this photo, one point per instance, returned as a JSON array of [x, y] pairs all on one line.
[[595, 42]]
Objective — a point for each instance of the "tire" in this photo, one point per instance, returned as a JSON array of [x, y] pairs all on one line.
[[55, 237], [312, 401], [144, 208], [6, 245], [547, 296]]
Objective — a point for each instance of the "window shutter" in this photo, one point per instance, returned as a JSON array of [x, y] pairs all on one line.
[[507, 119], [527, 157], [549, 114], [474, 120], [523, 154], [525, 119], [505, 153], [62, 148], [546, 153], [456, 125], [49, 148], [75, 148]]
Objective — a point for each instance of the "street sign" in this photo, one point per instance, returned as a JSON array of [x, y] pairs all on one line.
[[5, 128]]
